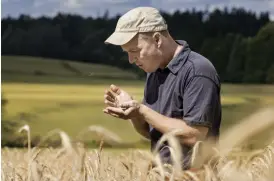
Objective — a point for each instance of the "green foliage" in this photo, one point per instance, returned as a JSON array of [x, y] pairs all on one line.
[[219, 35], [260, 56], [270, 74], [236, 60], [218, 51]]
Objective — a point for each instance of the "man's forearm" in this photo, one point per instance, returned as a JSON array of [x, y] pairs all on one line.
[[141, 126], [165, 124]]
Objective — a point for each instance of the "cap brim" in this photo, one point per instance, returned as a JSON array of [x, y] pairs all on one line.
[[120, 38]]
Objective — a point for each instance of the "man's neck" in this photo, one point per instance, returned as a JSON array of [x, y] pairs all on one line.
[[177, 50], [173, 50]]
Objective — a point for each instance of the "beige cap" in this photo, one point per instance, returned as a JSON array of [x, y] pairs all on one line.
[[140, 19]]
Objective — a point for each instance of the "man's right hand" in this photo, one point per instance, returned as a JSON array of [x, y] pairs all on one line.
[[116, 96], [121, 105]]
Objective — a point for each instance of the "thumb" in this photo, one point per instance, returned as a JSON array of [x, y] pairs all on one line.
[[128, 104], [129, 110], [115, 89]]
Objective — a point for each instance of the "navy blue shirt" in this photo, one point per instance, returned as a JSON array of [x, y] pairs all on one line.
[[187, 89]]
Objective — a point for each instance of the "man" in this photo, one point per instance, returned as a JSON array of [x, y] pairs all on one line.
[[182, 89]]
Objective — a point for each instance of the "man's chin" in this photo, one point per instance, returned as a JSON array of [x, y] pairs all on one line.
[[142, 68], [148, 70]]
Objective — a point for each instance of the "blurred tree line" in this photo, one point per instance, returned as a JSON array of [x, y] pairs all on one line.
[[238, 42]]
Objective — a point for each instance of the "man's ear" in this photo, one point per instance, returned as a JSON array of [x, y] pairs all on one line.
[[157, 38]]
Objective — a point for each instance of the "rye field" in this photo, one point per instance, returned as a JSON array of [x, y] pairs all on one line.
[[67, 98]]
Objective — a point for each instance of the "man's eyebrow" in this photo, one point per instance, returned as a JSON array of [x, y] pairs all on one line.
[[131, 49]]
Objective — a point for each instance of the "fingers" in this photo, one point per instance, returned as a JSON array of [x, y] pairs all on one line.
[[125, 104], [114, 114], [111, 113], [112, 104], [115, 89], [128, 104], [110, 99], [115, 110], [119, 111], [105, 111], [110, 95]]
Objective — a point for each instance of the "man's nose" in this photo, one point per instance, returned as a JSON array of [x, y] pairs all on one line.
[[132, 59]]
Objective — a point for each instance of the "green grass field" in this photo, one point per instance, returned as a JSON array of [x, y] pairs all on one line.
[[47, 95]]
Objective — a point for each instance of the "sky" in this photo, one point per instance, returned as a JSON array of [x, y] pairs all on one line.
[[96, 8]]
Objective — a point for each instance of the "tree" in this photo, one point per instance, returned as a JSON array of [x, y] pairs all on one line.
[[234, 69], [260, 55], [225, 38]]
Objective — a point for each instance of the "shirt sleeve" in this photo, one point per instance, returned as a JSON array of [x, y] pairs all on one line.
[[201, 101]]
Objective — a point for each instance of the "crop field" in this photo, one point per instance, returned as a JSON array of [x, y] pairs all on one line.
[[72, 108], [218, 163], [68, 99]]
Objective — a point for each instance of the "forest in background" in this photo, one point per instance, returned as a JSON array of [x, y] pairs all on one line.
[[238, 42]]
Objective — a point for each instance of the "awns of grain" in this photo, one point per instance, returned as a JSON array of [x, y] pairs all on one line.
[[211, 162]]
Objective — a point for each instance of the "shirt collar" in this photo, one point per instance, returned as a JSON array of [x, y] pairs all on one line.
[[176, 63]]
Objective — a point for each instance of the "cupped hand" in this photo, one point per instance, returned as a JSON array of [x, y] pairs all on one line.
[[126, 110], [115, 96], [117, 101]]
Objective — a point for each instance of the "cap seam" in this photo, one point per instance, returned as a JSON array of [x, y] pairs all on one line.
[[130, 30], [151, 28], [143, 27]]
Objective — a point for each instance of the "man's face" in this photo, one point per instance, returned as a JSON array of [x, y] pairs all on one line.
[[143, 51]]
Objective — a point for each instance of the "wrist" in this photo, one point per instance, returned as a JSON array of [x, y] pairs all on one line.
[[138, 114], [142, 110]]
